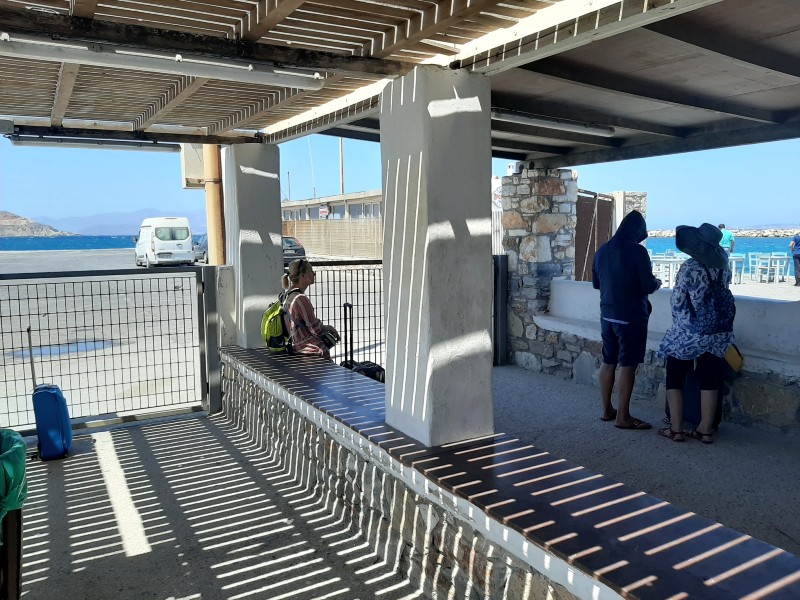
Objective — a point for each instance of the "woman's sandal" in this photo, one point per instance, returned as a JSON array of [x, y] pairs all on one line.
[[706, 438], [675, 436]]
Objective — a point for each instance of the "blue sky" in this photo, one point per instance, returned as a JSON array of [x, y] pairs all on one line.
[[747, 186]]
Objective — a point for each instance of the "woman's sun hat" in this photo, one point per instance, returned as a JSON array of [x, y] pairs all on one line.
[[702, 244]]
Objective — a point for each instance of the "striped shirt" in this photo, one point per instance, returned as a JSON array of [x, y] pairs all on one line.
[[304, 327]]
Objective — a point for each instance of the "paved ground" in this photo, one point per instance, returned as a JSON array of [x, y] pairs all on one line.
[[188, 509], [747, 479]]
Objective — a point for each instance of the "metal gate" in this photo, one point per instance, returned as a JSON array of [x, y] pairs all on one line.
[[593, 229]]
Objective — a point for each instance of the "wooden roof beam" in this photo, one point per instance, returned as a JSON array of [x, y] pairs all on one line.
[[149, 38], [141, 136], [66, 83], [170, 101], [266, 15], [607, 81], [83, 8], [424, 25]]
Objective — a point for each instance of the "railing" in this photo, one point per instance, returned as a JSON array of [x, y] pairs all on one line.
[[361, 284], [116, 342]]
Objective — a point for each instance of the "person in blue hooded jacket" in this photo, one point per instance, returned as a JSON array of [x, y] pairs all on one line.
[[624, 275]]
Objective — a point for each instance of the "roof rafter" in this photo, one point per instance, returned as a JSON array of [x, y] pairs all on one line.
[[66, 83], [630, 86], [285, 97], [560, 111], [742, 53], [149, 38], [435, 18], [184, 89], [557, 29], [707, 140], [83, 8], [141, 136], [265, 15]]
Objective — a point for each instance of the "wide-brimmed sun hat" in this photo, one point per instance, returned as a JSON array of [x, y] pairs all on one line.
[[702, 244]]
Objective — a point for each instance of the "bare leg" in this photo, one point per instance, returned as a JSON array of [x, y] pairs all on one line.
[[606, 378], [627, 377], [675, 402], [708, 407]]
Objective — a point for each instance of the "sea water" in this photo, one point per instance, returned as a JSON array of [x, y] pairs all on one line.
[[742, 245]]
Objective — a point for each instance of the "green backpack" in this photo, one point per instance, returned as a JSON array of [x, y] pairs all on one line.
[[273, 326]]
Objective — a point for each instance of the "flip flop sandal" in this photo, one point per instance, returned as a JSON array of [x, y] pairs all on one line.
[[706, 438], [635, 424], [675, 436]]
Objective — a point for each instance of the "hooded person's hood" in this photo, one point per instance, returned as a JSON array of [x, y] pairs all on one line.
[[632, 227]]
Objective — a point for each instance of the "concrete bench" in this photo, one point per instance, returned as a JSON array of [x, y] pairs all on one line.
[[594, 536]]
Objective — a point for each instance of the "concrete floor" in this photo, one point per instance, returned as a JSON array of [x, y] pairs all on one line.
[[189, 509], [748, 479]]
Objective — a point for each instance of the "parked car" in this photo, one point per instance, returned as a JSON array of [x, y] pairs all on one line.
[[164, 241], [201, 248], [292, 249]]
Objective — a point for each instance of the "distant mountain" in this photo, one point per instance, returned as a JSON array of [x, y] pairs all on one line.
[[122, 223], [12, 225]]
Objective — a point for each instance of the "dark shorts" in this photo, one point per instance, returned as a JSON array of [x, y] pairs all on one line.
[[623, 344], [710, 371]]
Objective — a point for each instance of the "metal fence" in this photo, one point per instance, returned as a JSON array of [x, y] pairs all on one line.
[[361, 284], [116, 342]]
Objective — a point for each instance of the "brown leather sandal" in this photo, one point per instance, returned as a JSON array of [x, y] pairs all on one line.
[[675, 436], [706, 438]]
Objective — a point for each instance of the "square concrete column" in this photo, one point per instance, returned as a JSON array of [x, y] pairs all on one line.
[[251, 189], [436, 154]]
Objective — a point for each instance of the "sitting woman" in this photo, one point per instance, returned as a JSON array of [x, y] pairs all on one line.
[[305, 329], [703, 310]]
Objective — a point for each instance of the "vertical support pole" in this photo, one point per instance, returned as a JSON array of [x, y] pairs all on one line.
[[213, 399], [500, 309], [214, 204]]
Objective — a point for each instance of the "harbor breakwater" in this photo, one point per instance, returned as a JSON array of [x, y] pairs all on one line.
[[745, 233]]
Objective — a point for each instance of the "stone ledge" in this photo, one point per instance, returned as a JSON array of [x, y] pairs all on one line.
[[756, 360]]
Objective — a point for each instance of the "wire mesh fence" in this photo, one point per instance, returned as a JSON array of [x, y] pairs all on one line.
[[115, 342], [361, 284]]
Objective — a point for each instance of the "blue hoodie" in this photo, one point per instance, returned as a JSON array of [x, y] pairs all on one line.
[[623, 273]]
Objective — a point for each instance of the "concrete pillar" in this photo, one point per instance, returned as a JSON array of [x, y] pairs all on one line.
[[625, 202], [435, 148], [253, 235], [539, 218]]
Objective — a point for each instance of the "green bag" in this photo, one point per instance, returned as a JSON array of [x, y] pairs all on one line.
[[273, 326], [13, 483]]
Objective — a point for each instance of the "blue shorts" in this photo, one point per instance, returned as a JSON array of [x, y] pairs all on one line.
[[623, 344]]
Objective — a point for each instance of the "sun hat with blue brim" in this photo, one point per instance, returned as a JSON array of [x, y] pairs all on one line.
[[702, 244]]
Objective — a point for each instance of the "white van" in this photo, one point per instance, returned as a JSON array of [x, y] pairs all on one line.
[[164, 241]]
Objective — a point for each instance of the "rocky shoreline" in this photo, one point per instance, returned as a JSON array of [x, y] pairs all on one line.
[[745, 233], [12, 225]]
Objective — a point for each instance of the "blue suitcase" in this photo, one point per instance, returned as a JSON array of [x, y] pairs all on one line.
[[53, 427]]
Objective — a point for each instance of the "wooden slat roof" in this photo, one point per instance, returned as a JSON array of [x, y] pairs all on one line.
[[668, 75]]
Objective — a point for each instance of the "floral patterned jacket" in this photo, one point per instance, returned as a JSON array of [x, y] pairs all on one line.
[[681, 341]]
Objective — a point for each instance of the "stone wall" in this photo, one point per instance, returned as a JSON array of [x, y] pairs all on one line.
[[442, 554], [752, 398], [539, 217]]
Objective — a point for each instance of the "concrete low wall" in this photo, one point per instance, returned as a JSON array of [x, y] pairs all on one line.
[[445, 545], [566, 342]]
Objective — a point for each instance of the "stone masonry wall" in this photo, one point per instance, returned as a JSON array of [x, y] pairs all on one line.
[[539, 217], [752, 398], [442, 554]]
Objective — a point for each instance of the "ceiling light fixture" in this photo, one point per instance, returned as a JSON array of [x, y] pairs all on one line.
[[510, 116], [104, 55], [63, 142]]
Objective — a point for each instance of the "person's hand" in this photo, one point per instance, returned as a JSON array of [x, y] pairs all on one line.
[[660, 283]]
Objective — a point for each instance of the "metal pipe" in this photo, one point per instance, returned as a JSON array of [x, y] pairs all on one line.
[[500, 349]]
